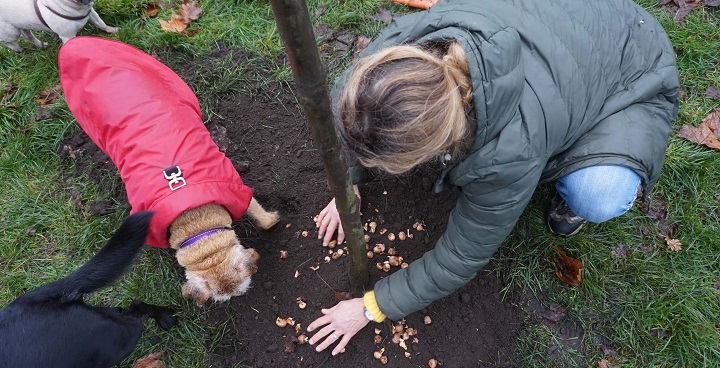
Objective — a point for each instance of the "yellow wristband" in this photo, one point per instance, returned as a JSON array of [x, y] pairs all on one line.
[[371, 306]]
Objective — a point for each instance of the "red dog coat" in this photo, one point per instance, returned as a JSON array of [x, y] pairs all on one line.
[[148, 121]]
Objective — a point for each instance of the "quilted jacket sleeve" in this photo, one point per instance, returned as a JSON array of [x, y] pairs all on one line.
[[483, 217]]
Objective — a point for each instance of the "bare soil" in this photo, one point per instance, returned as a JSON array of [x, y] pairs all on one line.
[[267, 137]]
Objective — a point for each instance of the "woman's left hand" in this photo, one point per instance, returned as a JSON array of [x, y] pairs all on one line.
[[342, 322]]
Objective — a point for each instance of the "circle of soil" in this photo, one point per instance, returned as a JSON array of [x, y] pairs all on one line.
[[268, 140]]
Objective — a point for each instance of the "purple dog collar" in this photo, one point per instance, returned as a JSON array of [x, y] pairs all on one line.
[[193, 239]]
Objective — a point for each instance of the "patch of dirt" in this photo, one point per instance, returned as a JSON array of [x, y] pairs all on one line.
[[269, 141]]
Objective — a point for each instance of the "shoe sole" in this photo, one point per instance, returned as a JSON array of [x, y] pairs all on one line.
[[567, 235]]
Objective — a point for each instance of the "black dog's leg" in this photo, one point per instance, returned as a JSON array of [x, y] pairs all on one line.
[[164, 316]]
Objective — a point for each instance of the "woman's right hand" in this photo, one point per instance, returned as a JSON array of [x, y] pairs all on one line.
[[329, 221]]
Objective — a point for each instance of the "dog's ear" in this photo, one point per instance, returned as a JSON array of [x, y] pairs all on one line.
[[197, 290], [251, 261]]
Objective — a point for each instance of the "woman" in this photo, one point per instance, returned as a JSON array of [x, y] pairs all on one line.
[[508, 94]]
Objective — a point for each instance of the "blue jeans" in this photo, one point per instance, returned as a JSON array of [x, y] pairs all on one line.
[[599, 193]]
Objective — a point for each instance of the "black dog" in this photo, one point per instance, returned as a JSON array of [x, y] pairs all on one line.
[[53, 327]]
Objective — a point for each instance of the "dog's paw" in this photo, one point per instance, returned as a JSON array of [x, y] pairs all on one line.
[[166, 320], [109, 29], [268, 220]]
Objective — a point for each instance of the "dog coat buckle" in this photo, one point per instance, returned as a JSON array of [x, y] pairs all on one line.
[[174, 177]]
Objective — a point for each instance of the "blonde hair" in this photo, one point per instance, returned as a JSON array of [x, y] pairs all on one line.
[[405, 105]]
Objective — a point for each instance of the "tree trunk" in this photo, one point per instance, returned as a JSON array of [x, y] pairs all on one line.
[[310, 76]]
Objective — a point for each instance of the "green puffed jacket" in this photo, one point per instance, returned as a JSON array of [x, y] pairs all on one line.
[[558, 85]]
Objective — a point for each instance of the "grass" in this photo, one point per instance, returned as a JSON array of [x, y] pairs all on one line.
[[654, 307]]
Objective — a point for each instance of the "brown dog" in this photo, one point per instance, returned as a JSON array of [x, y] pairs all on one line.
[[216, 266], [144, 116]]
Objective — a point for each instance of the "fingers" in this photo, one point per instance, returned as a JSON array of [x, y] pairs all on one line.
[[340, 347], [331, 337], [341, 235], [332, 225], [318, 322], [327, 222]]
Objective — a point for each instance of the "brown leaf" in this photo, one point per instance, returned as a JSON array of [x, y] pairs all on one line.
[[179, 21], [383, 15], [712, 91], [361, 42], [320, 12], [151, 360], [151, 10], [192, 32], [342, 295], [656, 209], [49, 95], [706, 133], [667, 228], [568, 269], [175, 24], [190, 11], [619, 251], [685, 7], [673, 244], [7, 92], [555, 313], [289, 343], [714, 3], [717, 286], [43, 114]]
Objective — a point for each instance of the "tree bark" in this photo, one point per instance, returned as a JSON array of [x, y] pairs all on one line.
[[295, 28]]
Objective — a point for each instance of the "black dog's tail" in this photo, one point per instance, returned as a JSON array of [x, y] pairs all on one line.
[[106, 266]]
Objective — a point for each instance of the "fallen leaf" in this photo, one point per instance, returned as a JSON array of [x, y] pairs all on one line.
[[192, 32], [290, 344], [684, 8], [151, 360], [607, 351], [606, 363], [190, 11], [554, 313], [385, 16], [49, 95], [712, 91], [176, 24], [43, 114], [619, 251], [706, 133], [568, 269], [320, 12], [342, 295], [713, 3], [7, 92], [656, 209], [179, 21], [151, 10], [673, 244], [717, 286], [667, 228], [361, 42]]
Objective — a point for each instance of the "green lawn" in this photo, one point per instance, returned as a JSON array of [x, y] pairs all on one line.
[[655, 307]]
